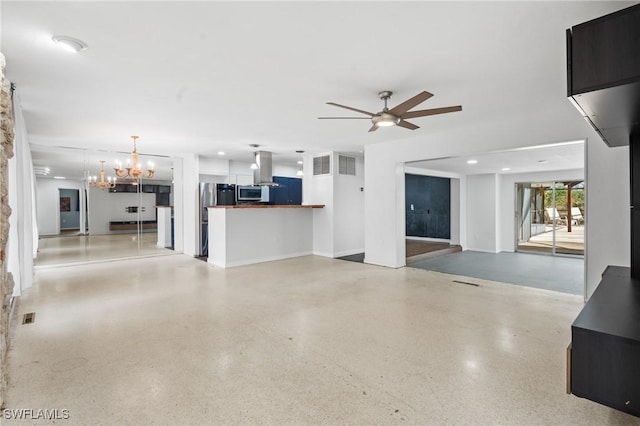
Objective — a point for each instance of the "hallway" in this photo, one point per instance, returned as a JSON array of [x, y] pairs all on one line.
[[310, 340]]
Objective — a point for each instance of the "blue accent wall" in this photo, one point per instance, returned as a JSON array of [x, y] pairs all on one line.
[[428, 206]]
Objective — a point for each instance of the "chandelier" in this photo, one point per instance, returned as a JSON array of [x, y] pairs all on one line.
[[109, 183], [133, 170]]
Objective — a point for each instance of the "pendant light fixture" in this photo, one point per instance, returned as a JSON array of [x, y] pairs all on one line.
[[300, 164], [255, 165]]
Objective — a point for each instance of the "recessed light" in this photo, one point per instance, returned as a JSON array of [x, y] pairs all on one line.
[[506, 169], [69, 43], [300, 161], [220, 152], [59, 177], [472, 161]]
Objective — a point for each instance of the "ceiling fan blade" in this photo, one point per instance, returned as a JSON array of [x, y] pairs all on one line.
[[410, 103], [370, 114], [407, 125], [434, 111], [344, 118], [373, 128]]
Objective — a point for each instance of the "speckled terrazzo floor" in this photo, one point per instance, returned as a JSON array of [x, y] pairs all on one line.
[[311, 340]]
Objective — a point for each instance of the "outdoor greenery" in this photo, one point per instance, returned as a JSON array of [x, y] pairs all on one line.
[[577, 198]]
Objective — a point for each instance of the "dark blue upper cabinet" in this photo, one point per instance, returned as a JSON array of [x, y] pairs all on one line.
[[289, 191]]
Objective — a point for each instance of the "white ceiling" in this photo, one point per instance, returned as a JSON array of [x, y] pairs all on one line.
[[552, 157], [207, 76]]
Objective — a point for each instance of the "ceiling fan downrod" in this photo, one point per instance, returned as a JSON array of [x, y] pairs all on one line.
[[385, 95]]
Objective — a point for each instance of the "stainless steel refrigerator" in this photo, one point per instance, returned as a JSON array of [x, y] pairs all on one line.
[[211, 194]]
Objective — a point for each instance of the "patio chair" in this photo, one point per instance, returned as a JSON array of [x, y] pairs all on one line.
[[576, 216], [553, 214]]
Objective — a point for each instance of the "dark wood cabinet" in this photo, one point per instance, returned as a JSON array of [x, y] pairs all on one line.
[[603, 79], [162, 192], [603, 73], [132, 225], [288, 191], [605, 344]]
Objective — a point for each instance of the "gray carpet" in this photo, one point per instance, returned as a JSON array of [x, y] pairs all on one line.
[[563, 274]]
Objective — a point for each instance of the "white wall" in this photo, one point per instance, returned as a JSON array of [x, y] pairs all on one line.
[[481, 217], [338, 228], [285, 171], [497, 223], [213, 178], [320, 192], [607, 222], [213, 166], [240, 173], [178, 202], [105, 206], [500, 236], [456, 209], [507, 204], [511, 129], [191, 204], [48, 203], [348, 210]]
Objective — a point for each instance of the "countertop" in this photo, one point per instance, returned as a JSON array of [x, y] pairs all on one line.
[[614, 307], [268, 206]]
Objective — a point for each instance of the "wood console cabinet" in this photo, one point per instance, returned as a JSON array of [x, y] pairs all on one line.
[[132, 225], [605, 344]]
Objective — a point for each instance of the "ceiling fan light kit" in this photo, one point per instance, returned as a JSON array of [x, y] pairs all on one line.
[[395, 116], [385, 120]]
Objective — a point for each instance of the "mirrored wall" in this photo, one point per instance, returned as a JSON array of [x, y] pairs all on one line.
[[89, 212]]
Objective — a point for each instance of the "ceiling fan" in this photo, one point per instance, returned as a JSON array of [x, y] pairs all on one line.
[[395, 116]]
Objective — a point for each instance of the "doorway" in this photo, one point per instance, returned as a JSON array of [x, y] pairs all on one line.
[[69, 200], [550, 217]]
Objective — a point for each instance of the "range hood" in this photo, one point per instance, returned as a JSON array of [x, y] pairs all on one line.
[[263, 175]]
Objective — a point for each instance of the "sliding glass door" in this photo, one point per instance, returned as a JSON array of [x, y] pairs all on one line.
[[550, 217]]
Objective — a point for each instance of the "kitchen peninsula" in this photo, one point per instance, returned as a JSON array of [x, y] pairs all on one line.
[[246, 234]]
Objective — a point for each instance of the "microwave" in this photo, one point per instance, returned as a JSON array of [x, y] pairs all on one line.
[[252, 193]]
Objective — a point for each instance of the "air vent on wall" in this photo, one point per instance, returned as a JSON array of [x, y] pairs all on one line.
[[346, 165], [322, 165]]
